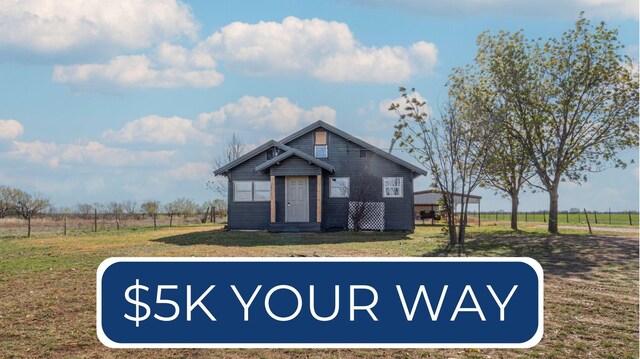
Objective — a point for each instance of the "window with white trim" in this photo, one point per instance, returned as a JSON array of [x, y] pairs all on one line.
[[392, 187], [339, 187], [248, 191], [320, 149], [261, 190], [242, 191]]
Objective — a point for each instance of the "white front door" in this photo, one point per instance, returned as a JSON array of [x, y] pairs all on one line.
[[297, 198]]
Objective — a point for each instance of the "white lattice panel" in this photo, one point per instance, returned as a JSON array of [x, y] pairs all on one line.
[[372, 215]]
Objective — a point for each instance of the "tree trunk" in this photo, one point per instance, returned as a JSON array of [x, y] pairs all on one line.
[[453, 239], [553, 209], [154, 221], [514, 211], [170, 219], [29, 226]]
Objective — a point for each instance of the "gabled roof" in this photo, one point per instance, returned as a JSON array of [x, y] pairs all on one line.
[[288, 151], [249, 155], [355, 140], [294, 152]]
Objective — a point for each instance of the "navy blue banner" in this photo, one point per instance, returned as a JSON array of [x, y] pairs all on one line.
[[319, 302]]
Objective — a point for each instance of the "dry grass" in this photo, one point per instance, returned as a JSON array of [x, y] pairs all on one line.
[[47, 287]]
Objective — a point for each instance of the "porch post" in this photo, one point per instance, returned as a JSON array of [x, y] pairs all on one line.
[[273, 199], [319, 199]]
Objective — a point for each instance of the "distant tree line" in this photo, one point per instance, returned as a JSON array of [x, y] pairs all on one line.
[[15, 202]]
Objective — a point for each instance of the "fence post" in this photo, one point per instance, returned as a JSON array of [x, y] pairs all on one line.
[[525, 216], [567, 216], [497, 216], [65, 224], [609, 215], [213, 214], [544, 216], [630, 222], [595, 215], [95, 220], [587, 217]]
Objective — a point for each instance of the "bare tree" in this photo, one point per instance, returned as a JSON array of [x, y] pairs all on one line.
[[233, 148], [364, 189], [116, 209], [189, 208], [454, 148], [84, 210], [171, 209], [220, 209], [6, 201], [509, 168], [130, 207], [151, 208], [27, 205]]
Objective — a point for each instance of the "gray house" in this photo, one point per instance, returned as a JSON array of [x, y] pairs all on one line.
[[320, 178]]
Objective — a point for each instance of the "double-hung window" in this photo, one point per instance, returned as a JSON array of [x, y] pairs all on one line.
[[251, 191], [392, 187]]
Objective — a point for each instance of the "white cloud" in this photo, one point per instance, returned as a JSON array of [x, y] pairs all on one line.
[[52, 27], [262, 113], [92, 152], [10, 129], [326, 50], [620, 9], [381, 143], [158, 130], [171, 66], [383, 106], [191, 171], [322, 49]]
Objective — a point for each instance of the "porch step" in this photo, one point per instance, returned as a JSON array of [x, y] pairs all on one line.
[[294, 227]]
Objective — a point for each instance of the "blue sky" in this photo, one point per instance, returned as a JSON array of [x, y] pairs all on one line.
[[118, 100]]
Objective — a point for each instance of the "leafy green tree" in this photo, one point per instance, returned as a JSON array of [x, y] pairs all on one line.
[[572, 101]]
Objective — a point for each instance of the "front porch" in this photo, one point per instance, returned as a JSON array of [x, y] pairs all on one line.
[[296, 203]]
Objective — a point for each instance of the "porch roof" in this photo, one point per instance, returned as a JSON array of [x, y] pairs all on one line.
[[294, 152]]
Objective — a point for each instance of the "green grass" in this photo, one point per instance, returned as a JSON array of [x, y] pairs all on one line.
[[47, 286], [572, 219]]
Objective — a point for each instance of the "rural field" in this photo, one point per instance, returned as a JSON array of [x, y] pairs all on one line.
[[47, 286]]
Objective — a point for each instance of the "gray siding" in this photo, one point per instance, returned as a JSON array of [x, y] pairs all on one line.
[[294, 166], [345, 157], [248, 215]]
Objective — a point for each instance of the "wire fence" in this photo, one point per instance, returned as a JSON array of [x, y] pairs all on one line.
[[625, 218], [63, 224], [597, 218]]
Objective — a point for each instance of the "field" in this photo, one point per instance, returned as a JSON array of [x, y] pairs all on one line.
[[596, 219], [47, 286]]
